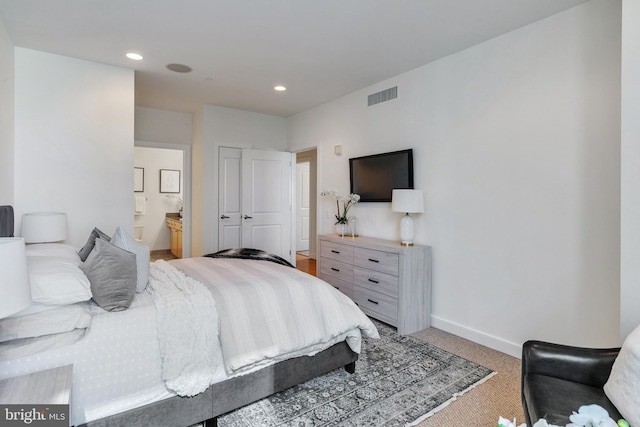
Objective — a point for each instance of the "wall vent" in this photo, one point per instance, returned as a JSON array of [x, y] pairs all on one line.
[[382, 96]]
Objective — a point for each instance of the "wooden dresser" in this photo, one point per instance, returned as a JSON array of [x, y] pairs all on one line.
[[389, 282], [175, 225]]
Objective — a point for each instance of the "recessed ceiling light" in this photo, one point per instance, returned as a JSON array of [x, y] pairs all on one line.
[[179, 68], [134, 56], [279, 88]]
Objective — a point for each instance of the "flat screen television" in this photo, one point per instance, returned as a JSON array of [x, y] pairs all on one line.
[[374, 177]]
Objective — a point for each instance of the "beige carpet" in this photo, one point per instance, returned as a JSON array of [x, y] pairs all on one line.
[[482, 406]]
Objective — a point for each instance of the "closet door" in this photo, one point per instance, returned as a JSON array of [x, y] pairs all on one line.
[[229, 201], [267, 201], [255, 199]]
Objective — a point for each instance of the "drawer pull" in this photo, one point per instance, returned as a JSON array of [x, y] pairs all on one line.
[[335, 269], [334, 251], [372, 301], [373, 260], [374, 281]]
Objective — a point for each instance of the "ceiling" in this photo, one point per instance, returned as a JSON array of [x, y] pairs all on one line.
[[240, 49]]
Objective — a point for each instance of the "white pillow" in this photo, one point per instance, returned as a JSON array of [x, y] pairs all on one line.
[[124, 241], [57, 281], [53, 249], [623, 388], [61, 319]]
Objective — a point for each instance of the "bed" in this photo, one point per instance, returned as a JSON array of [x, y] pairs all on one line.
[[271, 327]]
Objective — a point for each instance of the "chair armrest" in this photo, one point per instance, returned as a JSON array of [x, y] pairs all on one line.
[[589, 366]]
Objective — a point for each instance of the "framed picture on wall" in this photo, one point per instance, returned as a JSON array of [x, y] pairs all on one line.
[[169, 181], [138, 180]]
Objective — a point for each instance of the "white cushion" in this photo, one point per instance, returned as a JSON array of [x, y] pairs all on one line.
[[622, 387], [57, 281], [124, 241], [54, 249], [60, 319]]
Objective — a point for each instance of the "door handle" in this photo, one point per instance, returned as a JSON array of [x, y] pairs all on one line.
[[223, 217], [247, 217]]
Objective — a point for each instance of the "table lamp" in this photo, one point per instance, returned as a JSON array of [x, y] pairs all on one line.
[[407, 201], [14, 276]]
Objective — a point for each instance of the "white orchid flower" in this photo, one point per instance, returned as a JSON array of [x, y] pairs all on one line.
[[503, 422], [591, 416], [347, 202]]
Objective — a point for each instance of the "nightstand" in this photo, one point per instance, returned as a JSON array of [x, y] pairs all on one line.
[[48, 387]]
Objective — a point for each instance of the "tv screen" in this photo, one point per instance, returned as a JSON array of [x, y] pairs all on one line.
[[374, 177]]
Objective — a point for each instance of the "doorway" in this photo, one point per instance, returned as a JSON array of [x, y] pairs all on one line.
[[155, 201], [306, 204]]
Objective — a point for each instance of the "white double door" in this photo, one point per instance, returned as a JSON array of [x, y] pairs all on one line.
[[255, 196]]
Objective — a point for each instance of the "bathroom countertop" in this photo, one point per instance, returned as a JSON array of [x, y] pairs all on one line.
[[174, 216]]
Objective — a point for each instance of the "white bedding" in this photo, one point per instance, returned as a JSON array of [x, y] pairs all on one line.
[[188, 330], [117, 365], [270, 312]]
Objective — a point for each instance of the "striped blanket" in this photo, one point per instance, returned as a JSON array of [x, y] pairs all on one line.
[[269, 312]]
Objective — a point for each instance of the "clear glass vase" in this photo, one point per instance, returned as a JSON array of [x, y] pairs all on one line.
[[352, 229], [342, 229]]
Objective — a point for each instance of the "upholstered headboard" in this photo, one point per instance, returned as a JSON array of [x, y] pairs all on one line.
[[6, 221]]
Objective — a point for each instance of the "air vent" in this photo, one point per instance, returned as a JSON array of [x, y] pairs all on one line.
[[382, 96]]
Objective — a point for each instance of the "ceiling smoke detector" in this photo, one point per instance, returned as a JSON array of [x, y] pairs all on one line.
[[179, 68]]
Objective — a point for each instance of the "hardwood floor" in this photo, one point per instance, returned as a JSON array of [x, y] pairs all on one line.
[[162, 254], [306, 264]]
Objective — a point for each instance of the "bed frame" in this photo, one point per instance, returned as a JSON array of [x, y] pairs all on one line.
[[234, 393]]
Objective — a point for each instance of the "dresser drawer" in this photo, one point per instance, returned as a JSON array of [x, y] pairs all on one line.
[[337, 251], [376, 281], [383, 306], [337, 269], [384, 262], [344, 287]]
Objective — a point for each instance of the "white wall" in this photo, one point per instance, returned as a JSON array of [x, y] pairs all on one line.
[[197, 183], [231, 128], [630, 129], [7, 80], [156, 235], [74, 127], [516, 146], [155, 125]]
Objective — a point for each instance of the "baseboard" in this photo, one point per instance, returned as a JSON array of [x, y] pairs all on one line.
[[495, 343]]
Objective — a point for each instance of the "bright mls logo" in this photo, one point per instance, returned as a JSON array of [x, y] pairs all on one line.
[[34, 415]]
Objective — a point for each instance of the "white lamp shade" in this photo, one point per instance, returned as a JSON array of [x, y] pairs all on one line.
[[407, 201], [44, 227], [14, 276]]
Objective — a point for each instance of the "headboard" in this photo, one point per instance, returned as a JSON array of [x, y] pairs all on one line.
[[6, 221]]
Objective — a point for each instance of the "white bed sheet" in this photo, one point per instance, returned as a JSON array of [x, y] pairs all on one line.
[[116, 366]]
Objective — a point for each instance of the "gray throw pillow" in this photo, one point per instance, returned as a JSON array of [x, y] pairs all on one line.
[[88, 247], [112, 274]]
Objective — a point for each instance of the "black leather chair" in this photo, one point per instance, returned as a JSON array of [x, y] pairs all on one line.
[[558, 379]]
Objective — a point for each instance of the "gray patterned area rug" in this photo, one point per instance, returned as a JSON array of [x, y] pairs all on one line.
[[399, 380]]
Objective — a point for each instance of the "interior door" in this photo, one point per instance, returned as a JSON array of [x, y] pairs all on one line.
[[267, 185], [302, 204], [229, 200], [255, 190]]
